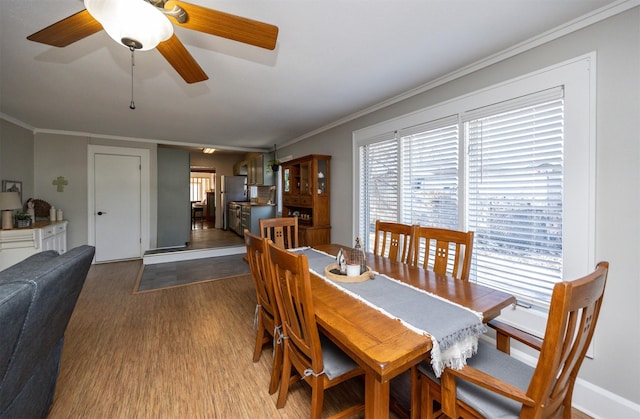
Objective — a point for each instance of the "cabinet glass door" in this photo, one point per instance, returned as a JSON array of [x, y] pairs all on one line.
[[305, 178], [322, 177], [286, 179]]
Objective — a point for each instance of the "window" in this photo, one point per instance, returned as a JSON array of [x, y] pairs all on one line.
[[379, 177], [514, 195], [510, 163], [430, 180], [199, 184]]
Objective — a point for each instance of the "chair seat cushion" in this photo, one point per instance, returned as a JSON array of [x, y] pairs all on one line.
[[336, 362], [499, 365]]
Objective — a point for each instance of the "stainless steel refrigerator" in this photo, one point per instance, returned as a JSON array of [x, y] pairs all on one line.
[[232, 189]]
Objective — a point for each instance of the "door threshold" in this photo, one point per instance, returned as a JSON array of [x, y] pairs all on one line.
[[175, 255]]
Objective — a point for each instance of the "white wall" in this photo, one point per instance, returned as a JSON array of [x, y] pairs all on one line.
[[616, 41]]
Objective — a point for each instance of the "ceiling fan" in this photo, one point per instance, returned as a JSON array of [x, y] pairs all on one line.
[[112, 15]]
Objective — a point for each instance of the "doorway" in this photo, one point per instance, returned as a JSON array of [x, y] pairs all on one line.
[[202, 196], [202, 193], [118, 202]]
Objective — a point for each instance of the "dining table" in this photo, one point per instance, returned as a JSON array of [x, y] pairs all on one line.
[[382, 345]]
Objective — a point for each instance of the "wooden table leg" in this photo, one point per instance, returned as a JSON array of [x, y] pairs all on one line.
[[376, 398]]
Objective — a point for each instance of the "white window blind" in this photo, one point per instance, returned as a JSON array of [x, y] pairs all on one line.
[[430, 172], [515, 194], [526, 178], [510, 181], [379, 181]]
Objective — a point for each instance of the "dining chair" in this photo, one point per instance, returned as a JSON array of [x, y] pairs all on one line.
[[282, 231], [313, 357], [393, 240], [442, 251], [446, 252], [267, 317], [494, 384], [197, 212]]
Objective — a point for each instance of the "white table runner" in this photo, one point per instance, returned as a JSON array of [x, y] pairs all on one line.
[[453, 329]]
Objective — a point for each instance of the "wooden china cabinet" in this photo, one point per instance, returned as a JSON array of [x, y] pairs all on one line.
[[305, 194]]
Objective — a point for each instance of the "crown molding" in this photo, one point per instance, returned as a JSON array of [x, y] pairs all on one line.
[[16, 122]]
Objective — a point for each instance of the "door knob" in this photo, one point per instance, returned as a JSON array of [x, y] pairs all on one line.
[[100, 212]]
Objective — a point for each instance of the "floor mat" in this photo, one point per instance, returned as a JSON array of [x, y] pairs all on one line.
[[174, 274]]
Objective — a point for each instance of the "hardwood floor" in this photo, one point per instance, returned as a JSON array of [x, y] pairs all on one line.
[[205, 236], [177, 353]]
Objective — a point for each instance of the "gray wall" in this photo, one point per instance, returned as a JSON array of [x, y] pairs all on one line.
[[16, 156], [66, 155], [174, 207], [63, 156], [616, 42]]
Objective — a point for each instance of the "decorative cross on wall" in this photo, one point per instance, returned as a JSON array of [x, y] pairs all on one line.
[[60, 182]]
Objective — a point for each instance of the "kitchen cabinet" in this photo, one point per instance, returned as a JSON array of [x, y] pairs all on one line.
[[240, 168], [210, 207], [19, 243], [256, 171], [251, 214], [306, 195], [257, 168]]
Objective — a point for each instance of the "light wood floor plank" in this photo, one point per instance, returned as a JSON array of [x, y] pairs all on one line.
[[178, 353]]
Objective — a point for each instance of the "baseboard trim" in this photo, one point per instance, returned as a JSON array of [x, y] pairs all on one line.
[[600, 403], [588, 397]]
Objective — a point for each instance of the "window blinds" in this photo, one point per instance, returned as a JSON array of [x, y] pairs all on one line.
[[515, 175], [430, 166], [378, 185], [507, 187]]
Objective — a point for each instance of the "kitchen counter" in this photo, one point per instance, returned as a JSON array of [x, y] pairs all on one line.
[[255, 204], [245, 214], [249, 215]]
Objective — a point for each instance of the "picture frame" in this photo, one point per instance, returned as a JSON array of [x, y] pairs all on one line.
[[12, 186]]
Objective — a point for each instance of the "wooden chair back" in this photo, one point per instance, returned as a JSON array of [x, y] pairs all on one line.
[[573, 314], [267, 317], [282, 231], [443, 251], [303, 347], [393, 240], [290, 276]]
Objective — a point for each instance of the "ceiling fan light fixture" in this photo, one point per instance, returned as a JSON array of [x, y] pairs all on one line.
[[132, 23]]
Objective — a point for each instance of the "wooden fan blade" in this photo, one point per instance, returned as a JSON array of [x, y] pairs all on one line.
[[68, 30], [177, 55], [226, 25]]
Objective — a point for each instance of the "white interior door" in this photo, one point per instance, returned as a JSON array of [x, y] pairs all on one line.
[[117, 208]]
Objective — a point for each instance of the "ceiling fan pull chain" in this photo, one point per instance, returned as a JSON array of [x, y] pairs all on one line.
[[132, 105]]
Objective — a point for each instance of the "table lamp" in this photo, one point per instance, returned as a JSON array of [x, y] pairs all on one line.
[[9, 201]]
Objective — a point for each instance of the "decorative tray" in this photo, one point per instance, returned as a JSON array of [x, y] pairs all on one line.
[[332, 272]]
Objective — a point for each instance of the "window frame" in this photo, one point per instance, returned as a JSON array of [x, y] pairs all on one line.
[[577, 77]]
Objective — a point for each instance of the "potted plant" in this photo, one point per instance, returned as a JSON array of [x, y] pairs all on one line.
[[274, 164], [23, 219]]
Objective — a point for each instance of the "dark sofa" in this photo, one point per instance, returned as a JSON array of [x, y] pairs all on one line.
[[37, 297]]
